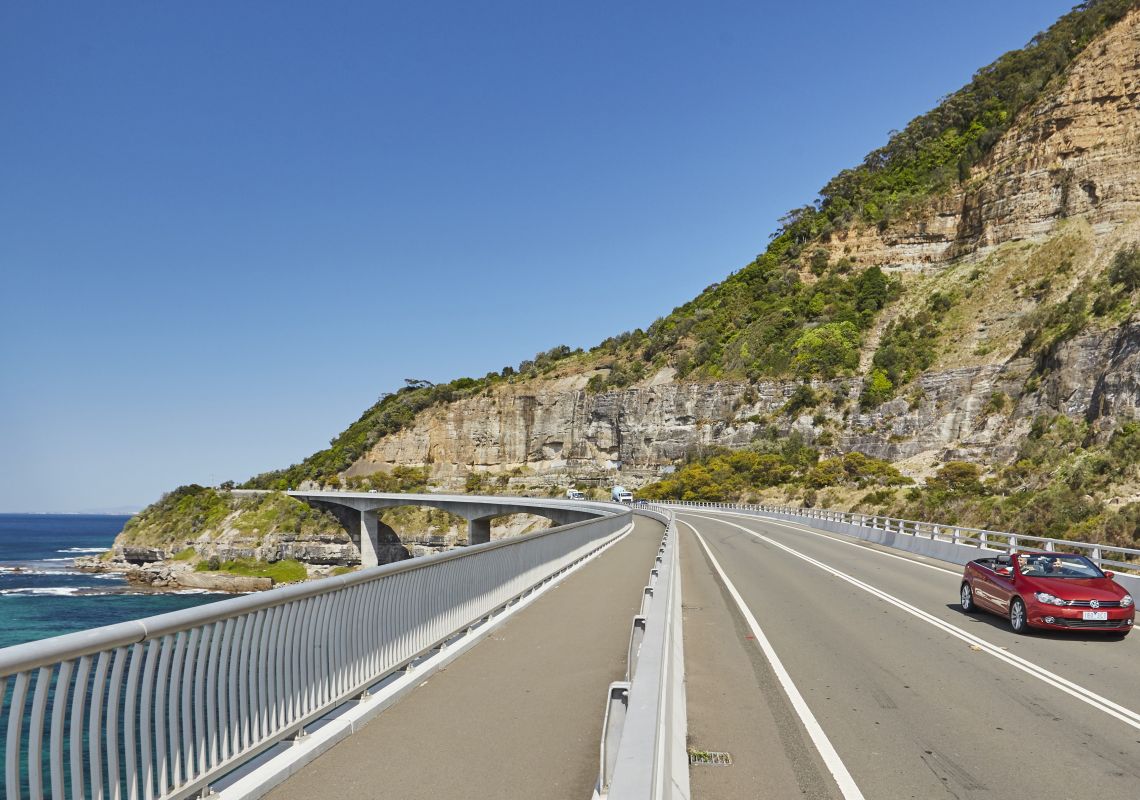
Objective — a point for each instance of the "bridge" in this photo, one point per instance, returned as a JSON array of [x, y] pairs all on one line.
[[358, 513], [817, 654]]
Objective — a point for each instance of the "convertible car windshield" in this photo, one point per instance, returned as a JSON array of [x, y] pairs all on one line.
[[1057, 565]]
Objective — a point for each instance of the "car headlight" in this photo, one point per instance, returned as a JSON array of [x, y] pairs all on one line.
[[1045, 597], [1126, 601]]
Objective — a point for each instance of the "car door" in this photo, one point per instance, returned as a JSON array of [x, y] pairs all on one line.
[[986, 591], [1003, 588]]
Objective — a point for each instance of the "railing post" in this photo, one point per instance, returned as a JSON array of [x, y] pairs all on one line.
[[982, 540], [1012, 544], [1049, 547]]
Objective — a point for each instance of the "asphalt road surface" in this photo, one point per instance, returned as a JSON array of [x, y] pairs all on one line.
[[858, 675]]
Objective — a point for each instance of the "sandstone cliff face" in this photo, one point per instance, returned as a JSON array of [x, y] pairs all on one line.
[[1073, 156]]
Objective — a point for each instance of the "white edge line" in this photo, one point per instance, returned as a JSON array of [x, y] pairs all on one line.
[[834, 537], [1124, 714], [827, 752]]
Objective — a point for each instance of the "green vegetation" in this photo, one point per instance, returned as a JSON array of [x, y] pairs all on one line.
[[752, 324], [263, 514], [1062, 485], [729, 475], [178, 516], [190, 512], [905, 350], [185, 554], [285, 571], [792, 311], [400, 480], [941, 147], [1108, 297]]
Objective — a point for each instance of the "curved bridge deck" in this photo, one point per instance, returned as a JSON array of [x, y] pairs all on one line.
[[520, 715]]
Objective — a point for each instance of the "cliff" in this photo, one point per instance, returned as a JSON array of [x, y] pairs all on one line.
[[968, 280], [1037, 220]]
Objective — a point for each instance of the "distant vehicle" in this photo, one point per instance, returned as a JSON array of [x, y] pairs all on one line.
[[1055, 591], [372, 491], [574, 494], [620, 494]]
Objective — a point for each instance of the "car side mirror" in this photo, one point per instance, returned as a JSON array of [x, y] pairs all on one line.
[[1108, 573]]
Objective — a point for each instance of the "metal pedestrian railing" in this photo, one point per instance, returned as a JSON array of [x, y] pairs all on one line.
[[1120, 558], [160, 707]]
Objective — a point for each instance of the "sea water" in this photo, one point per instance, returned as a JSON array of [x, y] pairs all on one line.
[[43, 595]]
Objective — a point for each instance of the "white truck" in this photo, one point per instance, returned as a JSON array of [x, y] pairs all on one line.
[[574, 494], [620, 494]]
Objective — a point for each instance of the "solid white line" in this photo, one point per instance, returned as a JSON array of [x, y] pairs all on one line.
[[1125, 715], [826, 751], [801, 528]]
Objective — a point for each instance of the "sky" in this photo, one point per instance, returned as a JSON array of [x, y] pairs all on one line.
[[227, 228]]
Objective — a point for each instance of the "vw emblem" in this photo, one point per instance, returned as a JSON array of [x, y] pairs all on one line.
[[1094, 603]]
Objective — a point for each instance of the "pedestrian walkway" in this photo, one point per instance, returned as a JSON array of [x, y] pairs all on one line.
[[520, 715]]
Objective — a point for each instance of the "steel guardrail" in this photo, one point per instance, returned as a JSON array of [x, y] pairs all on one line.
[[158, 708], [644, 752], [1001, 541]]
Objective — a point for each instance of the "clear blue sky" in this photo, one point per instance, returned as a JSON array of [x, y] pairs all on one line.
[[226, 228]]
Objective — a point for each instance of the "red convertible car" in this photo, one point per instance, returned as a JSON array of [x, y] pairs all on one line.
[[1057, 591]]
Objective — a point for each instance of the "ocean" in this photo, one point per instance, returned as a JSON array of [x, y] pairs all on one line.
[[43, 595]]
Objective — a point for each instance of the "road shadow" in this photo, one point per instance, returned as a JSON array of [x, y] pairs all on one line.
[[1002, 624]]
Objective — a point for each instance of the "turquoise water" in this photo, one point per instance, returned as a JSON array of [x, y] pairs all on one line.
[[41, 593]]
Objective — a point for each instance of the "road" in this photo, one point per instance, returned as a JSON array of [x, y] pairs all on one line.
[[903, 695]]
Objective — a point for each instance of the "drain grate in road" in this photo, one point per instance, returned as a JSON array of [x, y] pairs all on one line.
[[710, 758]]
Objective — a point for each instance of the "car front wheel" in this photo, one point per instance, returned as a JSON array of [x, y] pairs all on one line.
[[968, 599], [1017, 619]]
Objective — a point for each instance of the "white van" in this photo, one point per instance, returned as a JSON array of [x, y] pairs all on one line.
[[574, 494], [621, 495]]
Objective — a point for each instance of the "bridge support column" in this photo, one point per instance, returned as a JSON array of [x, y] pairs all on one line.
[[369, 539], [478, 530]]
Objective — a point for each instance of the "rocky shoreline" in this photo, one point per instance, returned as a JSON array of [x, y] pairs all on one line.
[[173, 575]]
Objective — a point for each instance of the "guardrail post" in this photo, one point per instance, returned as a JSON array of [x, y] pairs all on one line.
[[956, 535], [636, 636], [1095, 556], [1049, 547], [617, 704], [1012, 544], [646, 599], [982, 540]]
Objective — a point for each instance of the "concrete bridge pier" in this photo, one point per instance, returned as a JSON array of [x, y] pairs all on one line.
[[377, 542], [479, 530]]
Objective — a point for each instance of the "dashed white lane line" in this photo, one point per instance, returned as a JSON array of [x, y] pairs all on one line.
[[1125, 715], [826, 751]]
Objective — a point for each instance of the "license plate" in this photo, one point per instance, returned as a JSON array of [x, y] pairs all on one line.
[[1094, 615]]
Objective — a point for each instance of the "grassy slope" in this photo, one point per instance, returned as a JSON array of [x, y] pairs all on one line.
[[191, 512]]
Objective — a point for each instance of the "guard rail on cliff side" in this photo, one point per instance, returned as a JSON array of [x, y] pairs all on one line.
[[644, 754], [160, 707], [1119, 558]]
